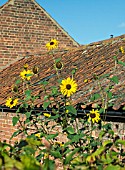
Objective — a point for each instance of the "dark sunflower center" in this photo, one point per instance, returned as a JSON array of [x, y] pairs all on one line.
[[59, 65], [11, 102], [92, 115], [68, 86], [51, 43]]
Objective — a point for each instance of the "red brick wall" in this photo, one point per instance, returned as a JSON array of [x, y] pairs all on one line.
[[26, 27], [6, 127]]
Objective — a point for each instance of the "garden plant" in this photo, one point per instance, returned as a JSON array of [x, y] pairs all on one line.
[[56, 137]]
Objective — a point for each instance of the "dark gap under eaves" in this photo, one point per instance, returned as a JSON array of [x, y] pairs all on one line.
[[113, 116]]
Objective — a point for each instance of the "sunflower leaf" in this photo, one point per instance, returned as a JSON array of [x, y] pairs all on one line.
[[46, 104], [71, 109], [57, 60], [15, 120]]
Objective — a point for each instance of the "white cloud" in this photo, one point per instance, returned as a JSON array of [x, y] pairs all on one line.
[[122, 25]]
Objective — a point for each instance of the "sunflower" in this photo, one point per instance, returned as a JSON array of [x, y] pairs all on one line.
[[68, 87], [61, 144], [25, 66], [11, 102], [46, 115], [38, 135], [15, 88], [94, 116], [58, 65], [35, 69], [52, 44], [26, 74], [121, 49]]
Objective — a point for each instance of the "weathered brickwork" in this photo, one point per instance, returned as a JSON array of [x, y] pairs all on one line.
[[25, 28], [7, 128]]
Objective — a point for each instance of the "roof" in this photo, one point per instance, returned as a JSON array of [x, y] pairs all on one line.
[[95, 59]]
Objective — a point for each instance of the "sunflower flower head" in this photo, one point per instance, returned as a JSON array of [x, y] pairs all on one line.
[[10, 102], [46, 115], [38, 135], [15, 88], [121, 49], [59, 65], [26, 74], [53, 44], [94, 116], [25, 66], [61, 144], [68, 87], [35, 69]]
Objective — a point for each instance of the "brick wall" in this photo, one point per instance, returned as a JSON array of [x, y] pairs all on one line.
[[27, 27], [7, 129]]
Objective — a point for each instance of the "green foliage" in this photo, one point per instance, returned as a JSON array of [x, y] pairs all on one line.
[[79, 148]]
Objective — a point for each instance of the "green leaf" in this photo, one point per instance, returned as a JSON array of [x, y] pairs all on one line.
[[15, 120], [115, 57], [101, 134], [76, 138], [114, 79], [70, 156], [101, 110], [59, 81], [56, 154], [44, 83], [71, 109], [57, 60], [27, 121], [120, 62], [24, 105], [120, 141], [28, 114], [28, 75], [105, 75], [54, 90], [109, 95], [16, 133], [54, 117], [113, 167], [70, 130], [46, 104], [95, 97], [18, 81], [28, 92], [51, 136], [107, 142], [74, 71], [46, 97]]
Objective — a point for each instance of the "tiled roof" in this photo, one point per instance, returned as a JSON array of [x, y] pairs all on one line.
[[90, 60]]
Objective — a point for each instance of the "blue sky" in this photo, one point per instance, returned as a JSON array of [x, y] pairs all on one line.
[[87, 20]]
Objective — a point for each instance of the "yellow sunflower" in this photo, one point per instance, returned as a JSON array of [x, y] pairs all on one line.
[[25, 66], [61, 144], [121, 50], [52, 44], [68, 87], [11, 102], [46, 114], [26, 74], [94, 116], [38, 135]]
